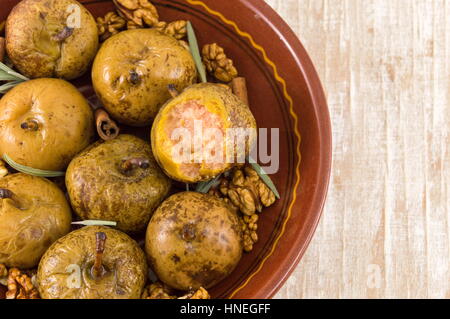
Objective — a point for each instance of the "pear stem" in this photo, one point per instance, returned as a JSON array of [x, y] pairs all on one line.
[[98, 270], [131, 163], [63, 34], [7, 194], [134, 78], [30, 125]]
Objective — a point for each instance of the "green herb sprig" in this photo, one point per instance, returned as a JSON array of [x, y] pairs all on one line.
[[12, 77], [264, 177], [204, 187], [195, 51], [29, 170], [95, 223]]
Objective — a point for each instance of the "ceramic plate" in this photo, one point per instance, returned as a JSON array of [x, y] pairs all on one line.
[[285, 93]]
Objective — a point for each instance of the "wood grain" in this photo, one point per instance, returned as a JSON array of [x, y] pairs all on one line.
[[385, 65]]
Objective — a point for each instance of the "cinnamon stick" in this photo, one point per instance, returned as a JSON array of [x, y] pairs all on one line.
[[239, 87], [107, 129], [2, 48]]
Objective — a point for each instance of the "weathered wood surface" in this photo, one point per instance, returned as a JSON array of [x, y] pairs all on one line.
[[385, 65]]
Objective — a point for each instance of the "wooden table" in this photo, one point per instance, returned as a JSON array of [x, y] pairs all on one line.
[[385, 65]]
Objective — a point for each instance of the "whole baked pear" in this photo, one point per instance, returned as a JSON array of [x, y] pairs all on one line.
[[133, 69], [193, 240], [44, 123], [51, 38], [94, 262], [33, 214], [118, 180]]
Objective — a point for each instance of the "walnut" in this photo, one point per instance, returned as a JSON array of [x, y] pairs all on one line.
[[176, 29], [243, 198], [246, 193], [138, 13], [249, 228], [233, 208], [265, 194], [218, 64], [157, 291], [199, 294], [243, 192], [131, 25], [160, 291], [20, 286], [161, 26], [110, 25]]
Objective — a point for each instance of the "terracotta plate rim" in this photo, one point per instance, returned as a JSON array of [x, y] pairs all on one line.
[[325, 137], [317, 94]]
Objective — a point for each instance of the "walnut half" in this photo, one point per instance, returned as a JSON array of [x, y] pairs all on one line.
[[247, 195], [20, 286], [160, 291], [138, 13], [218, 64], [110, 25], [247, 191], [176, 29]]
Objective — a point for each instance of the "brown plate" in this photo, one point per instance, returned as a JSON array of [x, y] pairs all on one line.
[[285, 92]]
